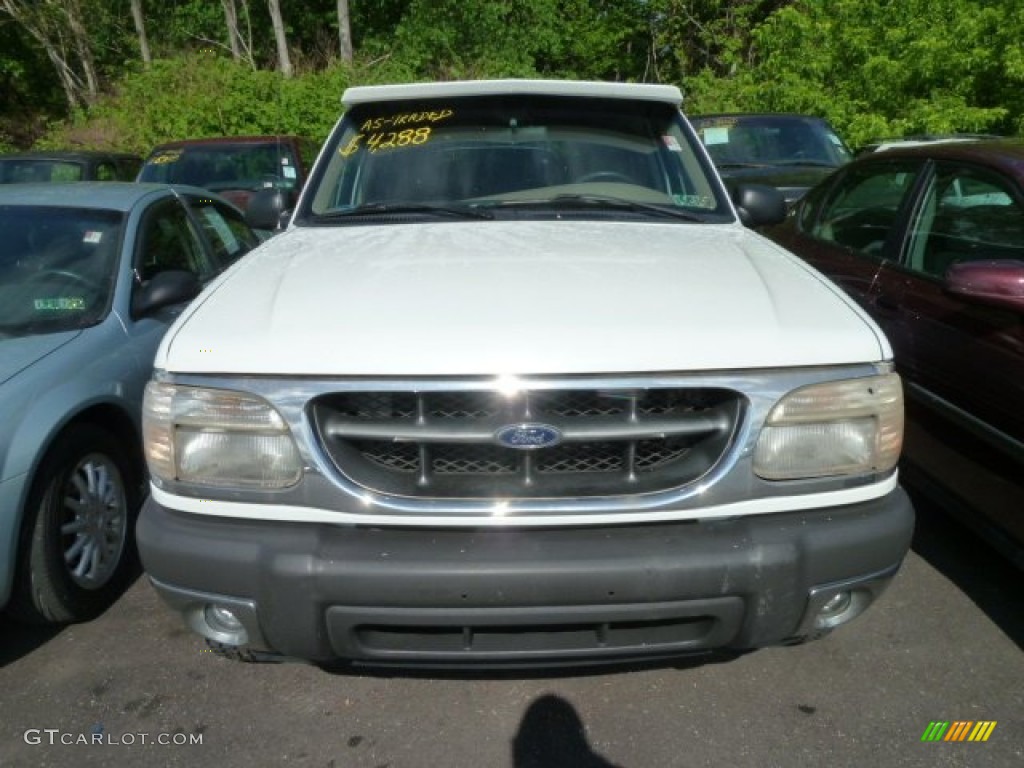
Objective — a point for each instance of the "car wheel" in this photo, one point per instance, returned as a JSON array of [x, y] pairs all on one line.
[[78, 544]]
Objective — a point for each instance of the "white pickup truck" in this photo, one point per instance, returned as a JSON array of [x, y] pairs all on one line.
[[518, 385]]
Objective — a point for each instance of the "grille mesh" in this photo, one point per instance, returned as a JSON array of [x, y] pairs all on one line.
[[443, 444]]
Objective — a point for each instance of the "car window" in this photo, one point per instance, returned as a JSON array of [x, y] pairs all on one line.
[[225, 229], [169, 240], [771, 139], [863, 206], [967, 215], [106, 172], [57, 267], [223, 165], [308, 151], [27, 171]]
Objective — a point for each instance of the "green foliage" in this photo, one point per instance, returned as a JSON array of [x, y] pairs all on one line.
[[872, 67], [880, 68], [201, 95], [27, 92]]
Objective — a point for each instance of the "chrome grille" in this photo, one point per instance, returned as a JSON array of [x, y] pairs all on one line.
[[441, 444]]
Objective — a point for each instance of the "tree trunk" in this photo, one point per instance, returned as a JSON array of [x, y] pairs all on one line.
[[345, 31], [140, 29], [284, 61], [234, 36], [83, 49], [68, 80]]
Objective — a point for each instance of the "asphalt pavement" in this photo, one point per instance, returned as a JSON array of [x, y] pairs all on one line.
[[945, 644]]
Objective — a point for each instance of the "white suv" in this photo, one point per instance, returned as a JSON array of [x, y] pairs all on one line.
[[517, 385]]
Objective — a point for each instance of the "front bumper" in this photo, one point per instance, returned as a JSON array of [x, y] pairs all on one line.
[[422, 596]]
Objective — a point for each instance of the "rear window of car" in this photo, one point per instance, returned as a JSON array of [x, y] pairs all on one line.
[[27, 171]]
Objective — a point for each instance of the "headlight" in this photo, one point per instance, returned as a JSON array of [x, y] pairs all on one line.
[[216, 437], [834, 428]]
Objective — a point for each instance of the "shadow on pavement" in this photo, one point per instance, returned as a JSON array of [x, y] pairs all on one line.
[[21, 639], [980, 571], [551, 735]]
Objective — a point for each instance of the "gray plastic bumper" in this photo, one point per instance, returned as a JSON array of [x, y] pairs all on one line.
[[496, 597]]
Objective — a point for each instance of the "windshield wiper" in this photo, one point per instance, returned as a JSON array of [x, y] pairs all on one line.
[[604, 201], [812, 163], [378, 209]]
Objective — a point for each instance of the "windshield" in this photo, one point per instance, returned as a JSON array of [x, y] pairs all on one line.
[[770, 140], [57, 267], [494, 156], [225, 166]]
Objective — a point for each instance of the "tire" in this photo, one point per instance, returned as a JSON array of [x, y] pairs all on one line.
[[77, 549]]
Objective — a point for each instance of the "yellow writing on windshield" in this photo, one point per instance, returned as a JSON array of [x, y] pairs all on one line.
[[375, 142], [375, 136], [405, 118], [166, 157]]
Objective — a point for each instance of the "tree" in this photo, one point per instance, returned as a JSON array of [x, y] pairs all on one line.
[[284, 62], [58, 28], [234, 35], [344, 31], [877, 68], [140, 29]]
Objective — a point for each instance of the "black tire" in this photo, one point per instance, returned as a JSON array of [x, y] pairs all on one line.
[[77, 550]]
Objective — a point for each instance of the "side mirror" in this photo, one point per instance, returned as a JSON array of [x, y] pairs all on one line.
[[996, 283], [759, 205], [165, 289], [267, 209]]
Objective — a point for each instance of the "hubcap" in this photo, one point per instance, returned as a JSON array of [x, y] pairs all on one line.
[[96, 521]]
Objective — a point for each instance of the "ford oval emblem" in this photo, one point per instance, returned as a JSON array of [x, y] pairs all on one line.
[[528, 437]]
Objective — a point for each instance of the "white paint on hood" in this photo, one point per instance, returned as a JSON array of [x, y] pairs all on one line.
[[520, 297]]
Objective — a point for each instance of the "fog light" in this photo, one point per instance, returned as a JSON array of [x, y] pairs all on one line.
[[835, 606], [841, 607], [830, 605], [222, 618], [223, 626]]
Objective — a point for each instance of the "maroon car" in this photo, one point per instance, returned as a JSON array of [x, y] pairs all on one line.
[[235, 166], [930, 241]]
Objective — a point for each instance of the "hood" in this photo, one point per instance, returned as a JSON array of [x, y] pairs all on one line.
[[553, 297], [18, 354]]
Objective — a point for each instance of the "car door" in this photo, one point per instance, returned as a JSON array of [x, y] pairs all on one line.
[[962, 361], [851, 229], [166, 238]]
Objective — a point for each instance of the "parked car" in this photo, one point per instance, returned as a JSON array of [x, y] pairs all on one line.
[[516, 385], [930, 241], [790, 152], [881, 145], [235, 166], [91, 275], [68, 166]]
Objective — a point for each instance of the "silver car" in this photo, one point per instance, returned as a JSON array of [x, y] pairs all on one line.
[[91, 275]]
